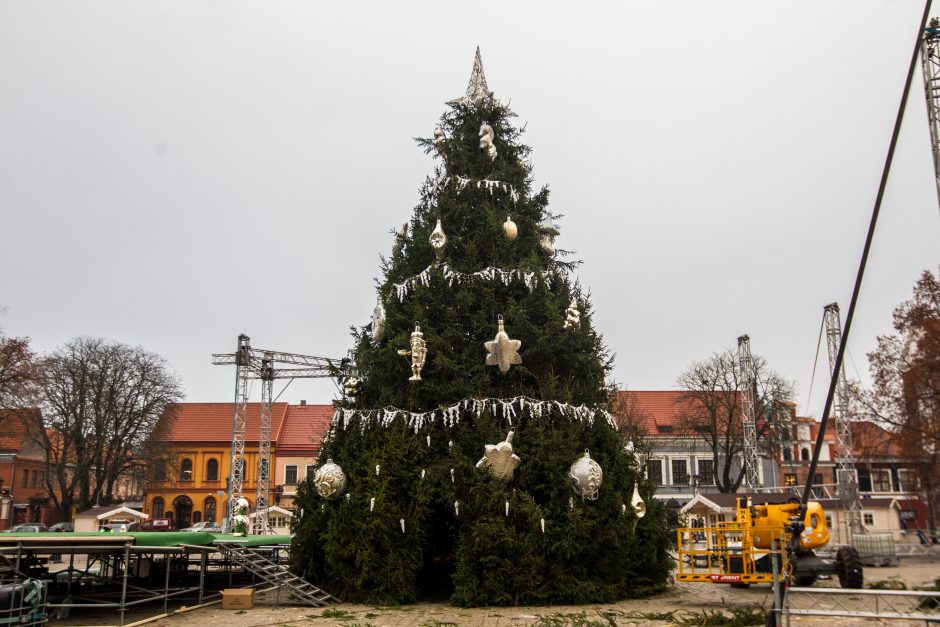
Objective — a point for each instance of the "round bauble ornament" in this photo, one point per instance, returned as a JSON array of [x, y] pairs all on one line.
[[330, 480], [586, 476], [510, 229]]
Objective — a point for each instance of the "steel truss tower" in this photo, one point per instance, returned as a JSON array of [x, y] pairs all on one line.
[[751, 455], [930, 63], [251, 363], [846, 479]]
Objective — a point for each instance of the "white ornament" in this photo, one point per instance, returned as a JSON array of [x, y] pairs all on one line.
[[422, 473], [456, 508], [351, 386], [378, 319], [572, 315], [403, 231], [510, 230], [477, 92], [637, 503], [330, 480], [438, 239], [429, 441], [547, 234], [377, 469], [348, 496], [452, 475], [503, 352], [586, 476], [401, 521], [486, 140], [543, 525], [507, 508], [500, 459], [450, 445], [438, 136], [372, 504]]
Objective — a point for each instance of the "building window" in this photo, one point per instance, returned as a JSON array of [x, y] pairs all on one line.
[[789, 479], [907, 480], [804, 455], [868, 518], [311, 470], [680, 472], [25, 478], [881, 480], [212, 470], [290, 475], [654, 470], [186, 470], [864, 480], [209, 506], [706, 470], [829, 521], [197, 517], [35, 478], [158, 507]]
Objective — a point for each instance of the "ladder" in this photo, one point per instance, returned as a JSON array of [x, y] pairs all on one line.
[[275, 574]]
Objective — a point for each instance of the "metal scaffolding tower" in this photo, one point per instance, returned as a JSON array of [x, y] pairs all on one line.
[[751, 455], [930, 63], [846, 479], [252, 363]]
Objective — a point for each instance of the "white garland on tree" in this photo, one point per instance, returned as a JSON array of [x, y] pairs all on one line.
[[453, 277], [450, 415], [463, 182]]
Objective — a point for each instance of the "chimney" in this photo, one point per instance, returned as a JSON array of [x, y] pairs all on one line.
[[303, 402]]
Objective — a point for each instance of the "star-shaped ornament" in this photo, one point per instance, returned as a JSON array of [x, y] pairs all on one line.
[[503, 352], [499, 458]]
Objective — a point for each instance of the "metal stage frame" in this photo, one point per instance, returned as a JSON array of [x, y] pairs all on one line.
[[114, 573]]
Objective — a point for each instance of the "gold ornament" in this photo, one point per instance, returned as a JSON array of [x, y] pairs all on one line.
[[330, 480], [586, 476], [418, 352], [499, 458], [572, 315], [438, 136], [510, 229], [378, 319], [438, 239], [637, 503], [548, 232], [503, 352], [486, 140]]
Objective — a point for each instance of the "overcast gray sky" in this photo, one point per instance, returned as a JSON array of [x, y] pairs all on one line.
[[175, 173]]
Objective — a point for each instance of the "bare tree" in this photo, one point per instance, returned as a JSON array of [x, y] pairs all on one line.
[[712, 411], [103, 401], [21, 373], [905, 397]]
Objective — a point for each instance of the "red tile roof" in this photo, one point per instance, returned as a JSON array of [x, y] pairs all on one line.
[[304, 427], [650, 409], [212, 422], [14, 428]]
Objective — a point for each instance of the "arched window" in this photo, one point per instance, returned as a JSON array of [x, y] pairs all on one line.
[[158, 507], [212, 470], [804, 455], [209, 507], [186, 470]]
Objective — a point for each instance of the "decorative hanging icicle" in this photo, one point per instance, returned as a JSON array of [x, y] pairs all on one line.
[[543, 525], [377, 469], [452, 277], [449, 416], [401, 521], [422, 473], [456, 508], [452, 480], [372, 504], [507, 508], [463, 182], [429, 441]]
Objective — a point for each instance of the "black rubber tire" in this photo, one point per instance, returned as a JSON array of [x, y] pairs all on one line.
[[850, 568], [804, 581]]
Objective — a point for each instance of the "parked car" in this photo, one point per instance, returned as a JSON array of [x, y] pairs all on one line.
[[62, 526], [205, 525], [154, 524], [28, 528]]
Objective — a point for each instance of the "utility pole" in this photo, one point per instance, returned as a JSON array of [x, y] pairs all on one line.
[[751, 455], [846, 479], [252, 363]]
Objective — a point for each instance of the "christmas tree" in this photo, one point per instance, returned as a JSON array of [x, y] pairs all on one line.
[[474, 455]]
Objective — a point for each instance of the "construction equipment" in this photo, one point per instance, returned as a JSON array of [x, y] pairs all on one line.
[[753, 547], [930, 63], [253, 363], [751, 454]]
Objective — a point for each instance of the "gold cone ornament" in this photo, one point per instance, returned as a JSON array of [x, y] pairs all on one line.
[[503, 352]]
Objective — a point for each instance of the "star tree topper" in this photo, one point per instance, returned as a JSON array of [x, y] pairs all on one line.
[[503, 352], [477, 90]]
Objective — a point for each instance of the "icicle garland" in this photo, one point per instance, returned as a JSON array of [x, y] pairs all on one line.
[[449, 416], [454, 277], [462, 182]]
